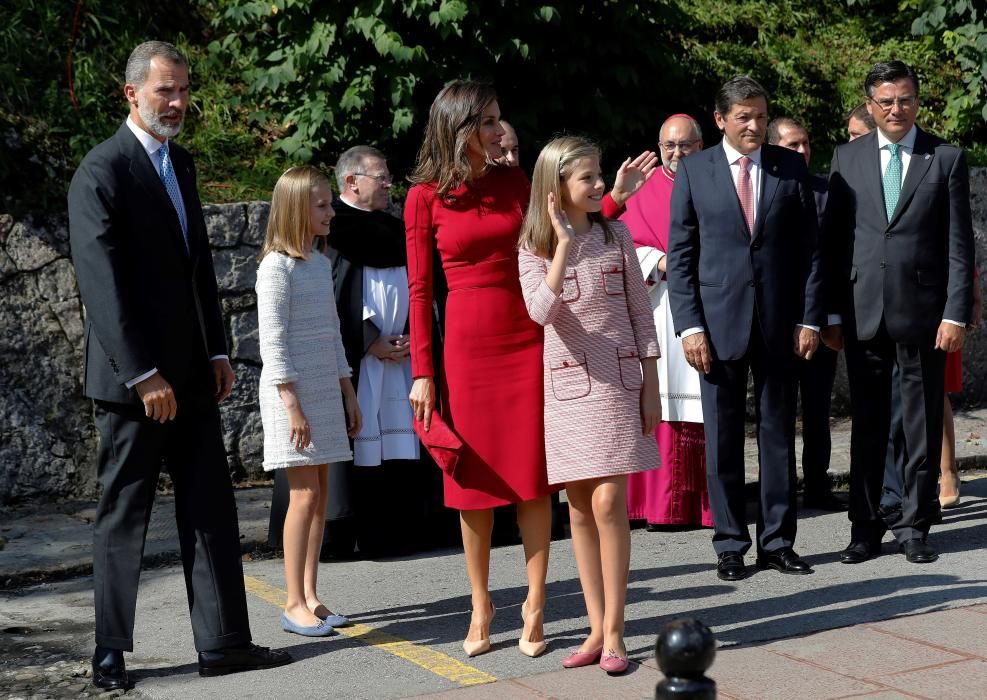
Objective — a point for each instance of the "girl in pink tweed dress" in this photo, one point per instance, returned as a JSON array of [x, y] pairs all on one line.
[[579, 276]]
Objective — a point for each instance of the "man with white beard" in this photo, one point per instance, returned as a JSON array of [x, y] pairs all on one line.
[[156, 367]]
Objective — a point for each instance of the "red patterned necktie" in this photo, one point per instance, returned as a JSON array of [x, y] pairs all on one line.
[[745, 192]]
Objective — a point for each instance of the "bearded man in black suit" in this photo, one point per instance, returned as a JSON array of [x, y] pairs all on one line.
[[156, 367]]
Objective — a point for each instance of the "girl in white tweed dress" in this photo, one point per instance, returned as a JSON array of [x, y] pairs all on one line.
[[307, 403], [580, 281]]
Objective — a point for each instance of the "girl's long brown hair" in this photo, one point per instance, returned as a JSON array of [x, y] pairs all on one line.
[[288, 224], [555, 163], [453, 119]]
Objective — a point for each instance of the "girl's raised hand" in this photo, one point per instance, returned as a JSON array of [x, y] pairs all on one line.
[[564, 232], [631, 176]]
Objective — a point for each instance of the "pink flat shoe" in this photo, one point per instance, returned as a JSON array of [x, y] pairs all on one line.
[[582, 658], [613, 663]]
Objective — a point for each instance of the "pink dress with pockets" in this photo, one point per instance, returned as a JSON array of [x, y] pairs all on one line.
[[596, 332]]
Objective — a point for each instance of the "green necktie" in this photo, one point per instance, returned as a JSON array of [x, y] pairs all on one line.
[[892, 179]]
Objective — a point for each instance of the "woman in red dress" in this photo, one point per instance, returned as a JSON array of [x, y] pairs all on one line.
[[470, 210]]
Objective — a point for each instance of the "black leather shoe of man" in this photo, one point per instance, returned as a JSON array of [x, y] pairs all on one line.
[[823, 500], [237, 659], [784, 560], [730, 566], [918, 552], [109, 670], [860, 551]]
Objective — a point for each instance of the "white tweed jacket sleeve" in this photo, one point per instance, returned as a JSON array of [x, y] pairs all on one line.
[[273, 289], [542, 303]]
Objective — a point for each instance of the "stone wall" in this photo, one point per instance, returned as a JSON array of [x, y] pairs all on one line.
[[47, 439]]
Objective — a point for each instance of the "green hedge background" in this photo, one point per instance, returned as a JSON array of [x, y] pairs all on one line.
[[277, 82]]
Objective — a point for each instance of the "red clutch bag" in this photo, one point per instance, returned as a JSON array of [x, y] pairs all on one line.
[[443, 444]]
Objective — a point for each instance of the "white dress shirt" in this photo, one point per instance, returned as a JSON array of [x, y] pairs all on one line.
[[151, 147], [733, 159]]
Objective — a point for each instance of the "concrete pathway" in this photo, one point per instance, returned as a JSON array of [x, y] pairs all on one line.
[[36, 541], [901, 630]]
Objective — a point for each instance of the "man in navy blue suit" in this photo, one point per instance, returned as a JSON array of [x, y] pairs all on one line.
[[745, 290]]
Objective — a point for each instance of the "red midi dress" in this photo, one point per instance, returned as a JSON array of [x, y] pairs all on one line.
[[491, 380]]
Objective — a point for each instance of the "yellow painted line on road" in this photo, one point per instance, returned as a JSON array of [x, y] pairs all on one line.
[[435, 661]]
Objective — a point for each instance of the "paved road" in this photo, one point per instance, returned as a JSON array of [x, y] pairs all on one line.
[[412, 614]]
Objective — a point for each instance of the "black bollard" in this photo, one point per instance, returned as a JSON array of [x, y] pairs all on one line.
[[684, 651]]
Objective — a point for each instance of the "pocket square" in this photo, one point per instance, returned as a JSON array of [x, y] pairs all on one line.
[[441, 442]]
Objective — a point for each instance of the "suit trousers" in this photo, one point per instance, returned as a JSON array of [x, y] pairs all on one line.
[[870, 365], [815, 379], [132, 450], [724, 398], [894, 465]]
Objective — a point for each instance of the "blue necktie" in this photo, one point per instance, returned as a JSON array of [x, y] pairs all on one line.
[[171, 185], [892, 180]]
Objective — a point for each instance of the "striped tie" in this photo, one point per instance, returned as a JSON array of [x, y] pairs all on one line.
[[745, 192], [892, 180], [171, 185]]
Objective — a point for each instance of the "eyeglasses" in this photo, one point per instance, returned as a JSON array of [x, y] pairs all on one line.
[[905, 104], [385, 180], [670, 146]]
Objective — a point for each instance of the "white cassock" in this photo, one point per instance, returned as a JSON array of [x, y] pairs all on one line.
[[383, 386], [678, 380]]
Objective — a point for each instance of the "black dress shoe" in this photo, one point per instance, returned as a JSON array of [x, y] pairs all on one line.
[[250, 657], [918, 552], [860, 551], [730, 566], [784, 560], [823, 500], [109, 670]]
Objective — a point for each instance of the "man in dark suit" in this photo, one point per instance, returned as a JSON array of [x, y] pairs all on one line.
[[156, 366], [744, 285], [899, 249], [815, 376]]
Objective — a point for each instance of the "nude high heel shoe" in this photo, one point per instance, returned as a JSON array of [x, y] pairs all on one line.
[[527, 648], [480, 646], [952, 501]]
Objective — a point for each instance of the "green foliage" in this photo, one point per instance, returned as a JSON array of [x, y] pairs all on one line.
[[61, 67], [276, 82], [959, 26], [813, 57], [333, 75]]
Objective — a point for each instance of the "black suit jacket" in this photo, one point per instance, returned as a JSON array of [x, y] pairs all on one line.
[[914, 270], [721, 277], [149, 301]]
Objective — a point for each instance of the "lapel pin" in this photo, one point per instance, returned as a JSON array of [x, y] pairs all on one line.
[[774, 168]]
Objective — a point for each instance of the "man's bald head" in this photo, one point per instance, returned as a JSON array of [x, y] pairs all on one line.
[[509, 146], [678, 137]]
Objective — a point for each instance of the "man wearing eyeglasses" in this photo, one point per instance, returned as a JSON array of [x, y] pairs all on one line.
[[899, 253]]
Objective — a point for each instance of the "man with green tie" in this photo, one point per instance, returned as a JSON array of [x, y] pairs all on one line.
[[899, 261]]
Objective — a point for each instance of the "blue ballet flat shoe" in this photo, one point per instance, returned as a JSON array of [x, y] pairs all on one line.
[[323, 629], [335, 620]]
